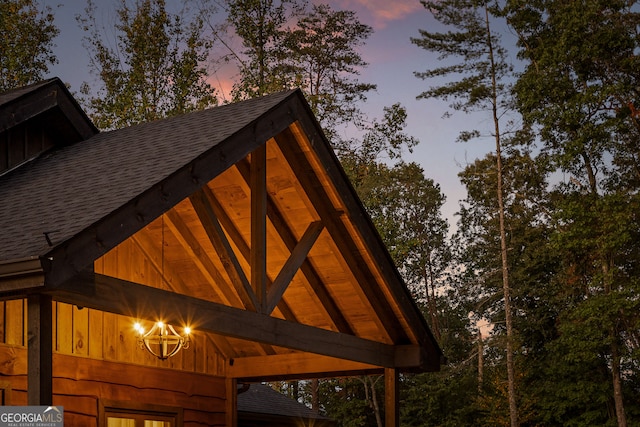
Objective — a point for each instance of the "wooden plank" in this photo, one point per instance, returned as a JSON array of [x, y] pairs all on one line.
[[15, 325], [201, 259], [295, 365], [13, 360], [391, 398], [3, 323], [64, 328], [153, 254], [138, 301], [258, 254], [293, 264], [40, 351], [96, 332], [225, 252]]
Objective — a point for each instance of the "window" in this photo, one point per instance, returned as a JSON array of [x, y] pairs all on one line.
[[132, 414]]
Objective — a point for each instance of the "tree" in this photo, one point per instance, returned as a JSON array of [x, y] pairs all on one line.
[[26, 43], [479, 84], [156, 69], [580, 90], [289, 46], [321, 57], [532, 265], [445, 398], [259, 24]]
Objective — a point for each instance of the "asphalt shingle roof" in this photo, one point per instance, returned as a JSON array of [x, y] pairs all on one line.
[[64, 191], [262, 399]]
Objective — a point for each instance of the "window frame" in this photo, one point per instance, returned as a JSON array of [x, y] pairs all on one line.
[[137, 410]]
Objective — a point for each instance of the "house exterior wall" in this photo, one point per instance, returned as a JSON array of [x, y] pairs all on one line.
[[97, 358], [81, 385]]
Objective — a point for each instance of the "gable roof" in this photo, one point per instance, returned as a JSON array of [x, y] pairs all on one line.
[[263, 238], [70, 189], [48, 102]]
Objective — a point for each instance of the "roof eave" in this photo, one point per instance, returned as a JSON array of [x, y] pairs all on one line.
[[19, 276]]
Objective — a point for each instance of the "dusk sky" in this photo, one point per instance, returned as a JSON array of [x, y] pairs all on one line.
[[392, 61]]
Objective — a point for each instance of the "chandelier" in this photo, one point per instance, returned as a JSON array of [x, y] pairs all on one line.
[[162, 340]]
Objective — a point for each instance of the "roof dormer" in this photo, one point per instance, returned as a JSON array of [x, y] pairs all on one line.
[[37, 117]]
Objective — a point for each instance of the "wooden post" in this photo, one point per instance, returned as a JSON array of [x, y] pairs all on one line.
[[258, 253], [231, 405], [391, 398], [39, 350]]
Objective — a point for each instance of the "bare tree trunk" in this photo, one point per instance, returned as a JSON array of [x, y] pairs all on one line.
[[617, 385], [616, 377], [371, 397], [480, 361], [429, 284], [513, 407], [374, 400]]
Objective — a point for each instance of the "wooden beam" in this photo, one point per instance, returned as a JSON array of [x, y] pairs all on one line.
[[311, 133], [231, 402], [381, 310], [391, 398], [225, 252], [293, 264], [200, 258], [295, 365], [39, 350], [258, 254], [313, 281], [238, 240], [138, 301]]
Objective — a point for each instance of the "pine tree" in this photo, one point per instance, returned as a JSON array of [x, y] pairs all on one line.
[[477, 82]]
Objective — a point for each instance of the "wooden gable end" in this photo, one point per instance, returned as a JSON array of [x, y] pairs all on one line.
[[252, 236], [311, 291]]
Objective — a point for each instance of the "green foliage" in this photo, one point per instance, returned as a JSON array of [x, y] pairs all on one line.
[[349, 401], [260, 26], [321, 57], [289, 46], [475, 63], [447, 397], [156, 69], [26, 43]]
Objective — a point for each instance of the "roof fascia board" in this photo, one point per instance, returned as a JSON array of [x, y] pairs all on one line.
[[76, 254]]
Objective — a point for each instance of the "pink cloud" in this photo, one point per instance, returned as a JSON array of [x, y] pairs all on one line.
[[380, 12]]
